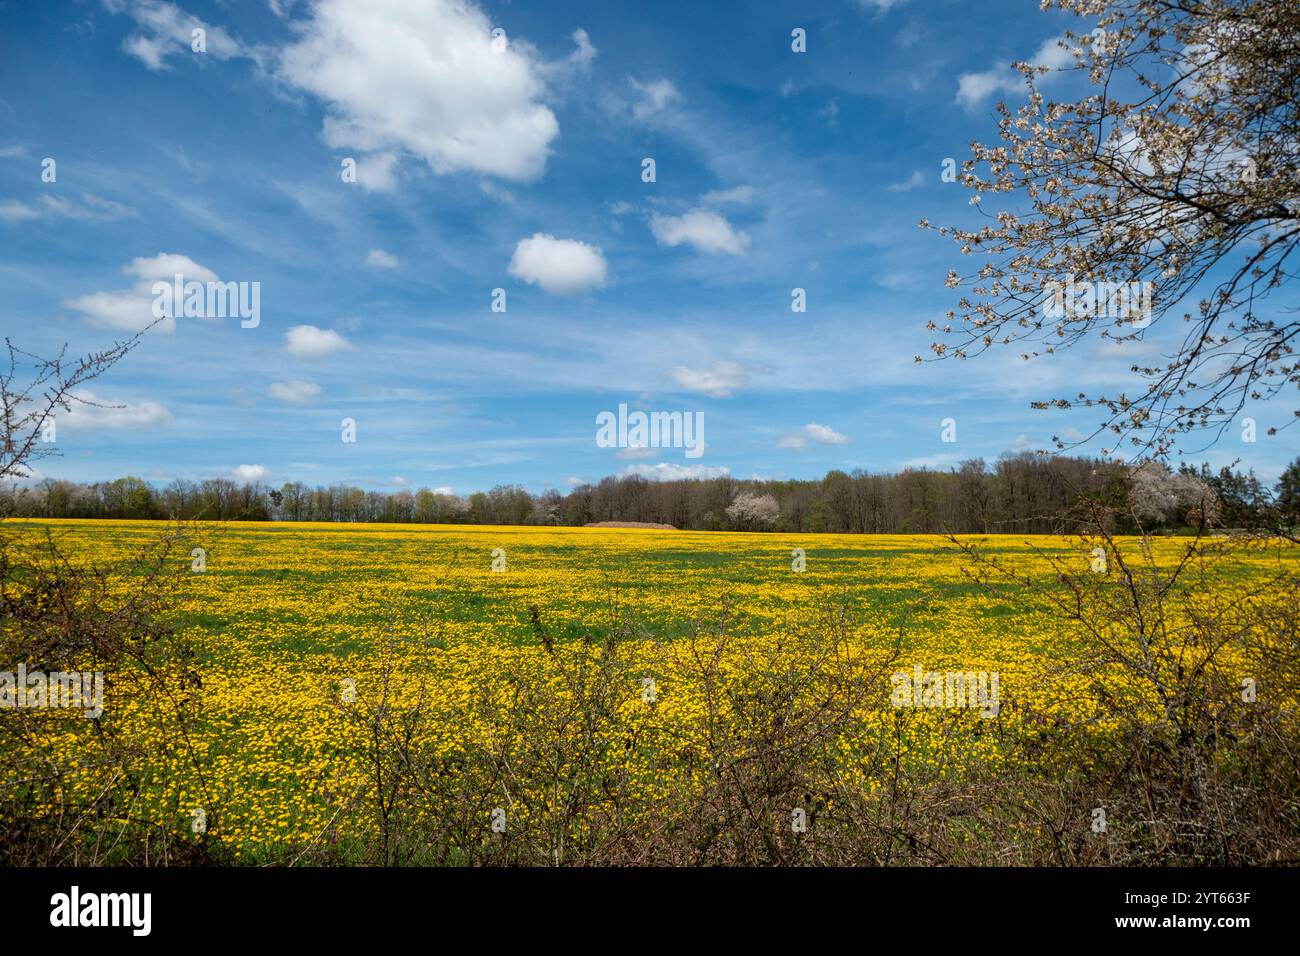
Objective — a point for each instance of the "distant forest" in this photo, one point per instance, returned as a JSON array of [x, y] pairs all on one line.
[[1024, 493]]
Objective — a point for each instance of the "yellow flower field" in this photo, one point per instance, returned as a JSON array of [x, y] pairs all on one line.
[[493, 642]]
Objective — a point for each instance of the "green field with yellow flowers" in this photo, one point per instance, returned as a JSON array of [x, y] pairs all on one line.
[[355, 685]]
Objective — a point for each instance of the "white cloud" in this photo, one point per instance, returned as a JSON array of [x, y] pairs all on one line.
[[825, 435], [1054, 54], [296, 391], [87, 410], [167, 30], [423, 76], [974, 88], [120, 309], [26, 473], [653, 97], [739, 195], [132, 308], [702, 228], [821, 434], [560, 266], [167, 265], [1126, 148], [668, 471], [310, 342], [398, 480], [718, 380], [881, 6], [382, 260], [443, 490], [249, 472]]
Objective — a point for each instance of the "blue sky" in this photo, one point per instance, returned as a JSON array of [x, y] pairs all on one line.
[[517, 168]]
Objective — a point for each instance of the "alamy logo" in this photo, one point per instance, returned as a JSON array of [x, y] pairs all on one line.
[[652, 430], [103, 909], [72, 690], [208, 300], [975, 690], [1126, 302]]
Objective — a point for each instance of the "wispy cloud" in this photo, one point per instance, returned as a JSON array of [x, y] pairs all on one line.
[[164, 31], [382, 260], [914, 181], [90, 208], [652, 97]]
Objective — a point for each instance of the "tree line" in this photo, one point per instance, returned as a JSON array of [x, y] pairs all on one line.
[[1022, 493]]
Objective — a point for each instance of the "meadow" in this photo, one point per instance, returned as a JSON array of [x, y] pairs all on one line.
[[456, 694]]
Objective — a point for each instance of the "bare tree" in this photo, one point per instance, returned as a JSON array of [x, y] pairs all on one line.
[[34, 389], [60, 609]]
